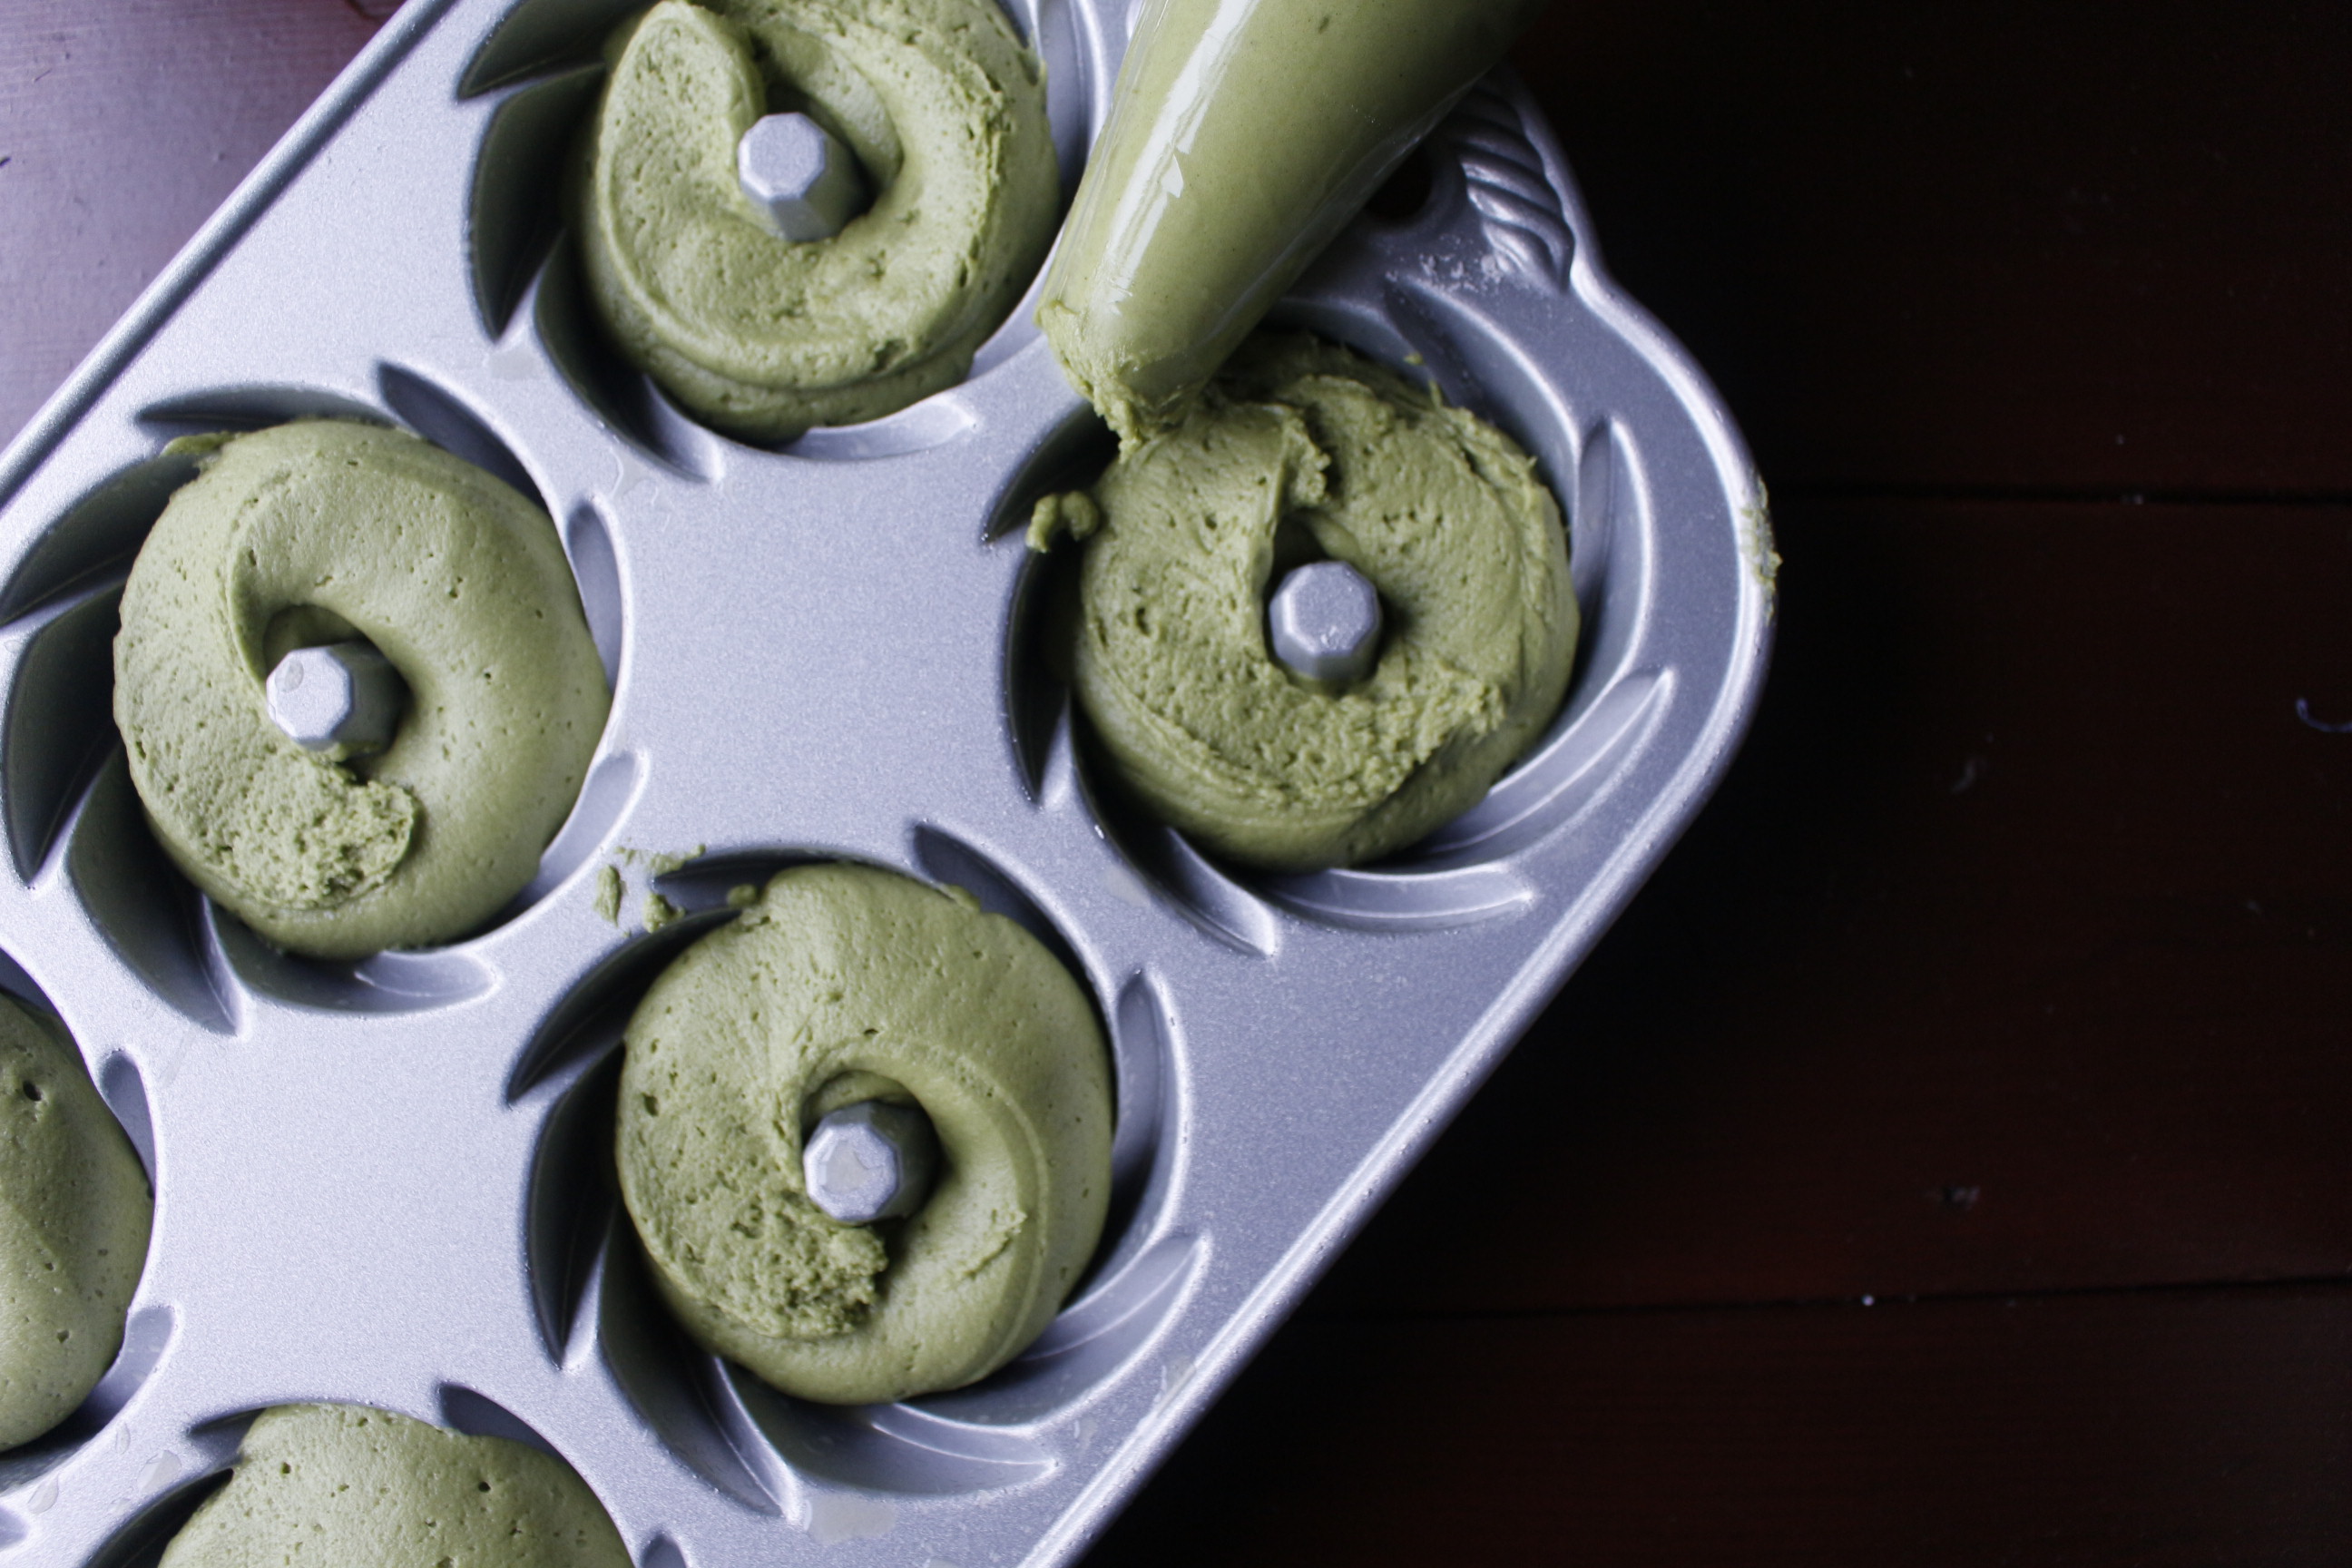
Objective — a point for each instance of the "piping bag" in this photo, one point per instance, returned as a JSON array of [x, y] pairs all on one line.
[[1243, 136]]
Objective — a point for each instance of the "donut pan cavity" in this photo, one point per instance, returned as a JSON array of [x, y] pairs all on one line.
[[388, 1182]]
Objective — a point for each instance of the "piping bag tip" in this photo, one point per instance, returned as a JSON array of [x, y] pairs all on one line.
[[1242, 138]]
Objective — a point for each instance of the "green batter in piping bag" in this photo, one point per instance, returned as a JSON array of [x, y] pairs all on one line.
[[1244, 135]]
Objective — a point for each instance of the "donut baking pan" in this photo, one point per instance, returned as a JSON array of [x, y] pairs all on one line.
[[387, 1182]]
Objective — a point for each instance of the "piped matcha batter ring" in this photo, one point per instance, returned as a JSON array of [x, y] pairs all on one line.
[[843, 982], [345, 1485], [317, 531], [1444, 514], [762, 337], [74, 1215]]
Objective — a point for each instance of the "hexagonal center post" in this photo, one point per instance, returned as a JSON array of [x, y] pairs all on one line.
[[870, 1161], [801, 179], [1324, 623], [344, 694]]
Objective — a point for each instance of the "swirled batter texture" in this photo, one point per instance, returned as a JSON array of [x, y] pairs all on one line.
[[74, 1213], [345, 1485], [316, 532], [1304, 448], [763, 338], [842, 983]]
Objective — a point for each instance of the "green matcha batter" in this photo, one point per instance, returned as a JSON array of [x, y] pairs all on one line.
[[346, 1486], [74, 1213], [1245, 132], [842, 983], [1303, 448], [316, 532], [760, 336]]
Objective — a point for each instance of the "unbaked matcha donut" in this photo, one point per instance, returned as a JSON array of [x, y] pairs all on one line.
[[74, 1213], [760, 336], [842, 983], [315, 533], [1301, 440], [351, 1487]]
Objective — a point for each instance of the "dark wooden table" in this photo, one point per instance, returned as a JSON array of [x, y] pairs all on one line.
[[1945, 1161]]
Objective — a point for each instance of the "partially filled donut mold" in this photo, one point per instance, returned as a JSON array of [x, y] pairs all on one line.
[[1459, 873], [142, 1543], [71, 791], [593, 1296], [147, 1325], [541, 75], [389, 1183]]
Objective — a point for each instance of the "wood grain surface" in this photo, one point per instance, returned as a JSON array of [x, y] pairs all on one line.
[[123, 123], [1944, 1160], [2094, 248]]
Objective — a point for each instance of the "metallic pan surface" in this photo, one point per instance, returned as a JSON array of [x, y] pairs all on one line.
[[383, 1183]]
